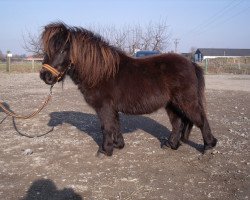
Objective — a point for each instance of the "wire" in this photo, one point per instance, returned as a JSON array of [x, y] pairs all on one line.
[[213, 19], [220, 20], [217, 19], [238, 13]]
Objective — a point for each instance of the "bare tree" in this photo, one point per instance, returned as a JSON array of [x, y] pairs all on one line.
[[32, 44], [120, 38], [161, 36], [192, 53], [153, 36], [134, 39], [115, 36]]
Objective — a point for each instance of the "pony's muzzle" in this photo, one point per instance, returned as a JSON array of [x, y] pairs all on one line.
[[47, 77], [50, 75]]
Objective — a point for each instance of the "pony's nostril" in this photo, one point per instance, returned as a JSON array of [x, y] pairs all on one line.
[[48, 76], [43, 74]]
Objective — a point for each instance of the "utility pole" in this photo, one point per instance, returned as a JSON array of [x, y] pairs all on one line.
[[176, 42]]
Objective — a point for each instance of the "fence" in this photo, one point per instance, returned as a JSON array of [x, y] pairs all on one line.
[[21, 66], [240, 65], [211, 66]]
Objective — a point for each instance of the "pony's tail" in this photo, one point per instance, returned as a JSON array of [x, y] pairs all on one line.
[[201, 85]]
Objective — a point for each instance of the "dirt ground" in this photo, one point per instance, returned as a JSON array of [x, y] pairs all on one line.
[[62, 164]]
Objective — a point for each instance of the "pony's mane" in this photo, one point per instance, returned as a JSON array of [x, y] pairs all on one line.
[[93, 57]]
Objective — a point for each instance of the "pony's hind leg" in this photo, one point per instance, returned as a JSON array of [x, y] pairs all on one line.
[[177, 128], [197, 115], [187, 128], [209, 140]]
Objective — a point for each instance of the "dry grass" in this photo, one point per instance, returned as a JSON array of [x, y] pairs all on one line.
[[21, 67], [227, 65], [215, 66]]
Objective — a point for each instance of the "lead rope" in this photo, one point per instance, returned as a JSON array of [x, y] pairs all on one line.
[[13, 114]]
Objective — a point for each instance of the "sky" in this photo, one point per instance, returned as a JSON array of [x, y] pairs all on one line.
[[195, 23]]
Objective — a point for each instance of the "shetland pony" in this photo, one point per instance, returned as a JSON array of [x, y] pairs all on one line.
[[112, 82]]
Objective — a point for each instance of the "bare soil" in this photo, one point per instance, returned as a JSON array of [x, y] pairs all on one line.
[[62, 164]]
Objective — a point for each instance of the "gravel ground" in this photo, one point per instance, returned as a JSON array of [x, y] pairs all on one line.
[[62, 164]]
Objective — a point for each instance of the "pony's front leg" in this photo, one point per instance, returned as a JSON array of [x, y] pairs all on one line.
[[110, 128]]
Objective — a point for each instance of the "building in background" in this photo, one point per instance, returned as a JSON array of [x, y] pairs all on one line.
[[208, 53]]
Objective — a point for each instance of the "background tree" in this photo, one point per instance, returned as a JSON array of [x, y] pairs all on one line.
[[192, 53], [32, 44], [152, 36]]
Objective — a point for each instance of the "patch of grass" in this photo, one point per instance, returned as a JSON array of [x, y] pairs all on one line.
[[227, 65], [21, 67]]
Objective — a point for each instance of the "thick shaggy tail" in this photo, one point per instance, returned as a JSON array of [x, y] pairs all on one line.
[[201, 85]]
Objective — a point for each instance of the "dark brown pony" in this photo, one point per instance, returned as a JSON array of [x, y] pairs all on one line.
[[113, 82]]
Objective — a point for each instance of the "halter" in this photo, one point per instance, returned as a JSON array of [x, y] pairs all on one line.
[[55, 72]]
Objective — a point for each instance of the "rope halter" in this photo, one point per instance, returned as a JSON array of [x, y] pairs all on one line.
[[52, 70], [55, 72]]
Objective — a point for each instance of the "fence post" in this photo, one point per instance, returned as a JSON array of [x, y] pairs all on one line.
[[33, 65], [206, 65], [9, 55], [239, 64]]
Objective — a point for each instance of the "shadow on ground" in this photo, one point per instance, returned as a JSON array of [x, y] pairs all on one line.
[[89, 123], [45, 189]]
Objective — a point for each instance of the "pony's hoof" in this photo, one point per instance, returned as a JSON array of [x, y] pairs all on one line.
[[184, 140], [166, 144], [119, 145], [100, 153], [211, 145]]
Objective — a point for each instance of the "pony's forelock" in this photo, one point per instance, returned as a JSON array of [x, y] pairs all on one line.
[[48, 38]]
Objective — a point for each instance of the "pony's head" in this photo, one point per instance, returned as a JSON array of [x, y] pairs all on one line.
[[94, 60], [56, 44]]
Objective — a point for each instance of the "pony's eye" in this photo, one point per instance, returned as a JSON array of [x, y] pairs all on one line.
[[61, 52]]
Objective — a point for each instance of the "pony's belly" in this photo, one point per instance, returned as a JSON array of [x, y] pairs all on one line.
[[143, 106]]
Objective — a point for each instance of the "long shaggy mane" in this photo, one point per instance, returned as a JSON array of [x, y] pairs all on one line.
[[93, 57]]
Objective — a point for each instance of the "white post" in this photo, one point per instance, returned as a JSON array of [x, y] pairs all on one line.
[[9, 55]]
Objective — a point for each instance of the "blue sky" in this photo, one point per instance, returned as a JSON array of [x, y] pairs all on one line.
[[196, 23]]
